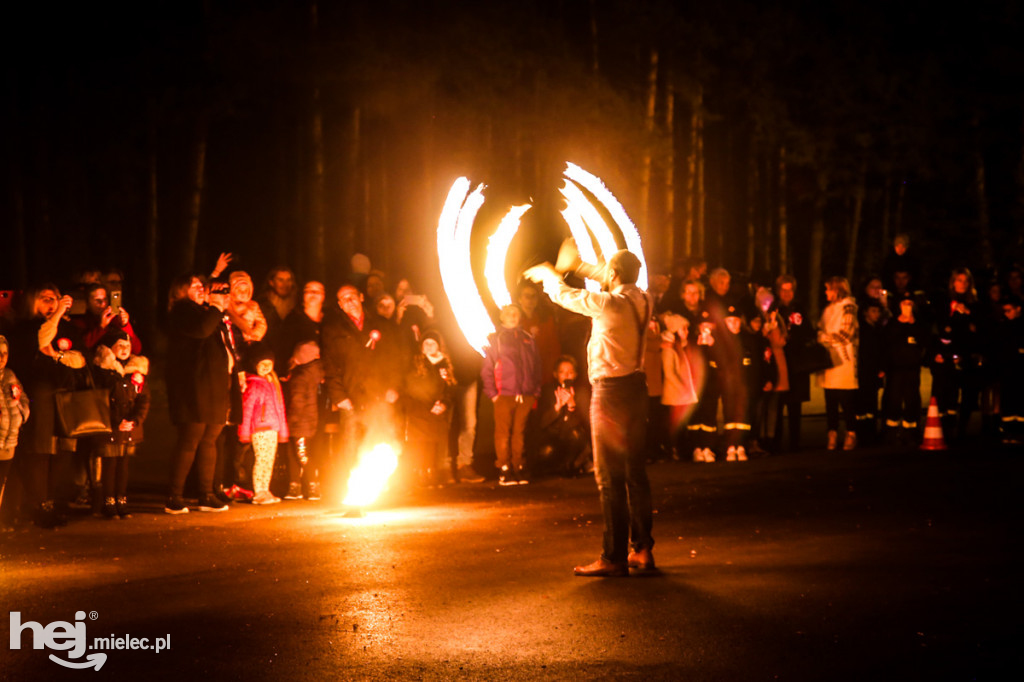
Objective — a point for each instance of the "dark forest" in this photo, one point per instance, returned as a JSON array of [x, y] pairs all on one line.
[[800, 137]]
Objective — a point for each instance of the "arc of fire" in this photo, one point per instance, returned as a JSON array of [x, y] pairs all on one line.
[[497, 252], [454, 230]]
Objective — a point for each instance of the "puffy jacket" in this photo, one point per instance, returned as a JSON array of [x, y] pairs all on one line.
[[129, 393], [511, 364], [13, 412], [262, 409]]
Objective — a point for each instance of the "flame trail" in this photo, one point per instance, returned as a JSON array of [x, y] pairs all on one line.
[[594, 185], [497, 251], [595, 223], [454, 230], [573, 217], [368, 478]]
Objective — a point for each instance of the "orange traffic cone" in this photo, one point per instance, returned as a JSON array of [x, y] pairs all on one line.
[[933, 439]]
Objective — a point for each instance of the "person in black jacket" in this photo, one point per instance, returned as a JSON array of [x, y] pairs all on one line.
[[428, 393], [1010, 360], [362, 373], [904, 348], [799, 333], [563, 422], [200, 367], [125, 376], [46, 350], [870, 369], [303, 393]]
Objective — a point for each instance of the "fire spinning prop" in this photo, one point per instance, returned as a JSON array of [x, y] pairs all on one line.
[[586, 225]]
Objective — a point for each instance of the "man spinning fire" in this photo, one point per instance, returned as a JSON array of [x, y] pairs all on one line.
[[618, 408]]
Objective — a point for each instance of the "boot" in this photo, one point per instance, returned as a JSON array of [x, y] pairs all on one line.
[[109, 508], [833, 438], [122, 507], [851, 440]]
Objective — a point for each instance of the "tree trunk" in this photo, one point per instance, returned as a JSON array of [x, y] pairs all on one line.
[[700, 200], [817, 246], [645, 173], [594, 61], [886, 219], [670, 172], [350, 192], [196, 200], [152, 282], [753, 182], [898, 213], [783, 217], [984, 224], [689, 223], [318, 236], [858, 211], [1019, 177]]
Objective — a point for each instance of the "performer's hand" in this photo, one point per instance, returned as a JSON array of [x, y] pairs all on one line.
[[391, 396], [346, 405], [541, 273], [438, 408], [568, 257]]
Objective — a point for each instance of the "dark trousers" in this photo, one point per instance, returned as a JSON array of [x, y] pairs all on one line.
[[196, 443], [836, 398], [791, 403], [902, 398], [618, 420]]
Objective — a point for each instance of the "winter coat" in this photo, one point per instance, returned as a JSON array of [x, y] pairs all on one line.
[[841, 342], [14, 409], [262, 409], [360, 365], [511, 364], [302, 398], [41, 376], [799, 333], [870, 355], [425, 385], [128, 384], [905, 345], [199, 364], [678, 385]]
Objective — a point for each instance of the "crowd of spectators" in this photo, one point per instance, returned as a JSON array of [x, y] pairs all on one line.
[[274, 393]]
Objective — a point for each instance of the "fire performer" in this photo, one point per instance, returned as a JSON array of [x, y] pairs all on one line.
[[619, 402]]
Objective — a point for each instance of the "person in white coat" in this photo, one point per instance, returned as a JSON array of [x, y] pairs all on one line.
[[838, 331]]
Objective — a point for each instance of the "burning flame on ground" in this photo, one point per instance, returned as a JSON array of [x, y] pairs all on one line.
[[368, 478], [455, 228], [497, 250]]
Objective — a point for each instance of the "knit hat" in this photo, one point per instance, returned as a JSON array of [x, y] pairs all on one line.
[[113, 336], [257, 353]]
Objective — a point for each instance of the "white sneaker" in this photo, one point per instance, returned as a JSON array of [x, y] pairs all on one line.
[[698, 455], [741, 454], [730, 454], [709, 455], [265, 497]]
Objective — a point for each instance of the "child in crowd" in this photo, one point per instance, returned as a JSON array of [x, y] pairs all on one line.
[[125, 376], [263, 421], [429, 387], [511, 379], [1010, 356], [13, 413]]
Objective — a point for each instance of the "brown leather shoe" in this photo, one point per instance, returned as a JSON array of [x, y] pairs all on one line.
[[642, 559], [602, 569]]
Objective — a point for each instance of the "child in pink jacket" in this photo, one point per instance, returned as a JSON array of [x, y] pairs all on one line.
[[263, 421]]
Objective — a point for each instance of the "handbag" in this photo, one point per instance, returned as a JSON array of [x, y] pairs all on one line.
[[812, 357], [83, 412]]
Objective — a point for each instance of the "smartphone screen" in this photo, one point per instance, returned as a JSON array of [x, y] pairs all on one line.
[[115, 301]]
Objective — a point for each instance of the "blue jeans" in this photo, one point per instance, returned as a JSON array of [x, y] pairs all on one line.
[[618, 419]]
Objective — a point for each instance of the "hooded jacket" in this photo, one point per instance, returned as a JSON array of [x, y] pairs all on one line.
[[128, 384]]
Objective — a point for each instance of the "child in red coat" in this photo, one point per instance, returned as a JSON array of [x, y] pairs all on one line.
[[263, 421]]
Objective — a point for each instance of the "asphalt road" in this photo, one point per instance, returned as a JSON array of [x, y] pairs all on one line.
[[875, 565]]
